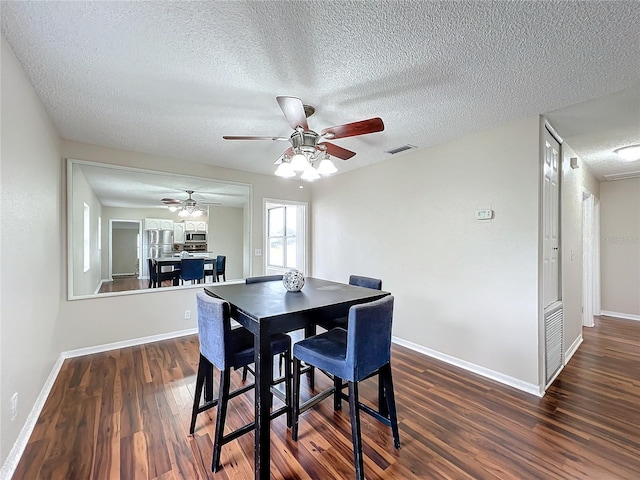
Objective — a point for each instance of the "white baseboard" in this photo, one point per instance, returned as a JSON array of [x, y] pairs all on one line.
[[9, 466], [127, 343], [572, 349], [626, 316], [471, 367]]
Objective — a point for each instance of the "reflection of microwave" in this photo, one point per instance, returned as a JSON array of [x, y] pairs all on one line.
[[196, 237]]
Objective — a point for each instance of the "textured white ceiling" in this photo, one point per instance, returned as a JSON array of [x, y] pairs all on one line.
[[170, 78]]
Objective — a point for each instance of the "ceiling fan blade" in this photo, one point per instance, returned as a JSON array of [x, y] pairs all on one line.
[[293, 110], [289, 151], [171, 201], [336, 151], [252, 137], [362, 127]]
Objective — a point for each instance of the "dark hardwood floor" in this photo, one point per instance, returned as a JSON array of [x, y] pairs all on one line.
[[125, 414]]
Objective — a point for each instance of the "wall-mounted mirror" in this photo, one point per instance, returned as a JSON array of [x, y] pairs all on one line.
[[126, 225]]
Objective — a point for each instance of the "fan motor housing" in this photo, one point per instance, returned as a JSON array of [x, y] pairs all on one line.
[[305, 140]]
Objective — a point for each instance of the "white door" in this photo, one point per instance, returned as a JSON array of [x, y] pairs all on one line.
[[286, 236], [551, 220]]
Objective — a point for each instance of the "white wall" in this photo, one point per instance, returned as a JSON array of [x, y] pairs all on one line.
[[574, 183], [31, 249], [225, 237], [465, 288], [620, 247]]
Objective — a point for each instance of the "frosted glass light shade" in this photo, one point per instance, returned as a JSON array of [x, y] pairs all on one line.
[[326, 167], [299, 162], [284, 170], [310, 174]]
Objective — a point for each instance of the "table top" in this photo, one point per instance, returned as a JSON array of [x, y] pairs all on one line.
[[177, 260], [265, 300]]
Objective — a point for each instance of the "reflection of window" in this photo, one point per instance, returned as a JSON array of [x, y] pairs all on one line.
[[282, 238], [99, 233], [86, 231]]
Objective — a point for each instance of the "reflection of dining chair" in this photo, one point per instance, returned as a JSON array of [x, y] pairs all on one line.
[[156, 280], [192, 269], [352, 355], [227, 348], [221, 265], [210, 271]]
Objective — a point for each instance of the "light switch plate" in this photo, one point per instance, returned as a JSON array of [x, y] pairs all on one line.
[[257, 252]]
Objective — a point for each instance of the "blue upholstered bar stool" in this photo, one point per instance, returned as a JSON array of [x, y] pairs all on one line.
[[328, 324], [353, 355], [221, 266], [227, 348]]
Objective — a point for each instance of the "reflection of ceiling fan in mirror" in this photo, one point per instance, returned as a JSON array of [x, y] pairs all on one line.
[[307, 146], [188, 207]]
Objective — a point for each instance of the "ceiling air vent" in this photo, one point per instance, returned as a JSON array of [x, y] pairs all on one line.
[[393, 151], [621, 176]]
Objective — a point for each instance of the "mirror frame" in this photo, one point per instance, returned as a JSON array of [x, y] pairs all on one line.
[[70, 162]]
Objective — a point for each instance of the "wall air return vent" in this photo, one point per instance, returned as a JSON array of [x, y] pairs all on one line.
[[403, 148], [621, 176]]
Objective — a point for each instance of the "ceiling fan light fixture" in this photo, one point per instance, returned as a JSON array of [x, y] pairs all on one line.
[[326, 167], [299, 162], [630, 153], [173, 208], [285, 170], [183, 213]]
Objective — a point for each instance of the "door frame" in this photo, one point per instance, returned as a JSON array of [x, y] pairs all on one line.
[[590, 258]]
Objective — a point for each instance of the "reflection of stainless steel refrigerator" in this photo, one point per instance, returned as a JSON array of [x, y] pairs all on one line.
[[157, 243]]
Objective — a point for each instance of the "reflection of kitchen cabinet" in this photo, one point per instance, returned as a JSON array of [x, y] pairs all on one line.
[[193, 226], [166, 224], [178, 232], [152, 224], [158, 224]]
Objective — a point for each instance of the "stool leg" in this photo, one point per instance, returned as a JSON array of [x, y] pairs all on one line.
[[223, 398], [354, 411], [287, 386], [337, 393], [296, 399], [198, 393], [382, 401], [385, 376]]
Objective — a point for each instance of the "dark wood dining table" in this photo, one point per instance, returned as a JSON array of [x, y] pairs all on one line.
[[267, 308]]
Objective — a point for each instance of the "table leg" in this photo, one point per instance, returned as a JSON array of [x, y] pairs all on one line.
[[263, 376]]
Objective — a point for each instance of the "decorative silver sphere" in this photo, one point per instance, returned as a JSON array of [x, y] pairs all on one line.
[[293, 280]]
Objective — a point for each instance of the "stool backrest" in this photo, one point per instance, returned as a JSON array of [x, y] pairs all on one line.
[[214, 327], [366, 282], [221, 263], [192, 268], [369, 336]]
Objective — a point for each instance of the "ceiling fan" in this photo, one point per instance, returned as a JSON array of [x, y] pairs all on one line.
[[308, 146], [188, 207]]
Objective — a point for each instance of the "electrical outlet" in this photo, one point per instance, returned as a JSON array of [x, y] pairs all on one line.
[[187, 314], [13, 404]]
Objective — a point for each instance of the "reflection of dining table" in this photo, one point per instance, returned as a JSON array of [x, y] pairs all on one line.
[[266, 308], [173, 261]]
